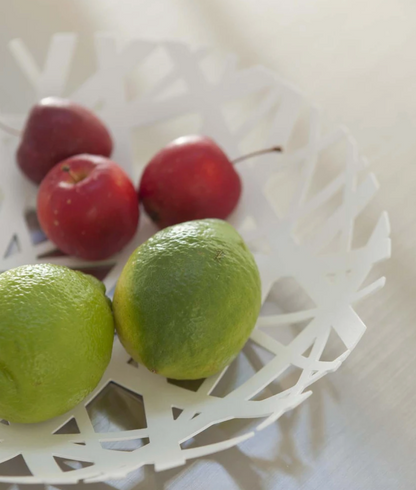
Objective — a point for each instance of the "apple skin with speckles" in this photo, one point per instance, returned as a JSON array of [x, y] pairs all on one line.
[[88, 206]]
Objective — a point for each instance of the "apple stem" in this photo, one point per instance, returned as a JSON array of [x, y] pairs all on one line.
[[67, 169], [258, 152], [9, 130]]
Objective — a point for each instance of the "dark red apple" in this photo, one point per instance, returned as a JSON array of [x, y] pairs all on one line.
[[191, 178], [88, 207], [57, 129]]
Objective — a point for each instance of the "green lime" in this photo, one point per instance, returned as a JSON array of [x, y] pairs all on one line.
[[56, 337], [188, 299]]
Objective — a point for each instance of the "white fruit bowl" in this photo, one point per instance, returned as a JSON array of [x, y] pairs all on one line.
[[297, 214]]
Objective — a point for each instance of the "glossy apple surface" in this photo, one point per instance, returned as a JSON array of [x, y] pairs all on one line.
[[57, 129], [191, 178], [88, 207]]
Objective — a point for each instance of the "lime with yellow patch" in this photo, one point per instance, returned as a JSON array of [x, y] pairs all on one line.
[[56, 337], [188, 299]]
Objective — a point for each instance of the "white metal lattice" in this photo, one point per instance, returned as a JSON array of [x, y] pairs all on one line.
[[332, 278]]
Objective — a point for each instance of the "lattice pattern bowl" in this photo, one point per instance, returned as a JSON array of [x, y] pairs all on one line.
[[297, 214]]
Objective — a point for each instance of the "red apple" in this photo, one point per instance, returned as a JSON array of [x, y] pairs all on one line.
[[88, 207], [57, 129], [191, 178]]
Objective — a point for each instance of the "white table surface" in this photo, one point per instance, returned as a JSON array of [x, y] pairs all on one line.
[[356, 59]]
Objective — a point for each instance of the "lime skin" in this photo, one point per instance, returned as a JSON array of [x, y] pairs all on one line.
[[56, 337], [188, 299]]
